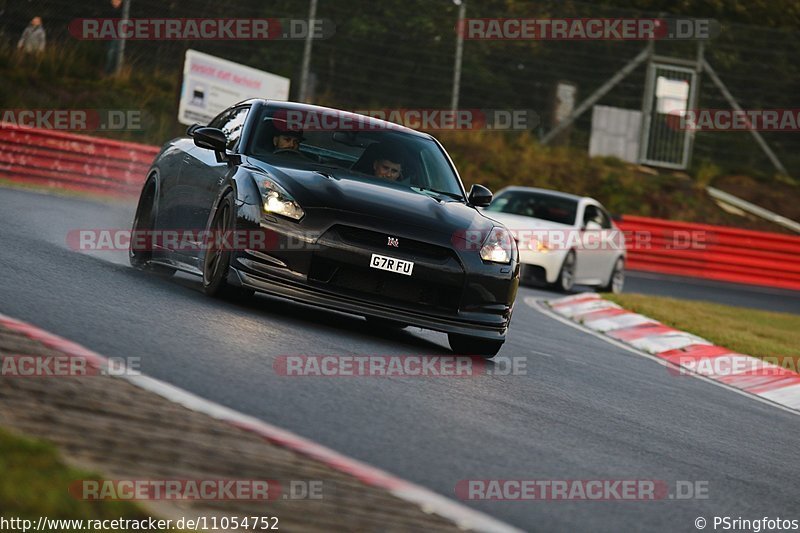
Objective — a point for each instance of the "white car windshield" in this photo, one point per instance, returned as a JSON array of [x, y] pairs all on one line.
[[537, 205]]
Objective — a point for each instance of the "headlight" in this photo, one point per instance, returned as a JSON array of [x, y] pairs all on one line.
[[540, 246], [497, 247], [277, 201]]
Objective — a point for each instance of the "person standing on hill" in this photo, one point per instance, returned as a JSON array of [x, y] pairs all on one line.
[[33, 38], [114, 44]]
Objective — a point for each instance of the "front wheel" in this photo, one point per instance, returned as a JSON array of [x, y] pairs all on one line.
[[217, 257], [617, 280], [566, 276], [466, 345]]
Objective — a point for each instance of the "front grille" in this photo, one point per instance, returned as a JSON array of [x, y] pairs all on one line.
[[375, 239], [383, 286]]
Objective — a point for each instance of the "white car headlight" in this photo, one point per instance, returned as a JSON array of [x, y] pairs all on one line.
[[540, 246], [276, 201], [497, 247]]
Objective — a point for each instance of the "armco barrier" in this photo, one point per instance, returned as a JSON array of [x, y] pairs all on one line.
[[92, 164], [712, 252], [77, 162]]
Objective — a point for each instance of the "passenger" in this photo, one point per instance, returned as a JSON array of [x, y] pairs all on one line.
[[388, 165]]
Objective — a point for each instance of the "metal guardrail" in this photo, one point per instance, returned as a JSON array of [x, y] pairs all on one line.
[[69, 161], [735, 201], [712, 252]]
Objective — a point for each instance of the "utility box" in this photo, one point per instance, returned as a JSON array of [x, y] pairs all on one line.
[[615, 132]]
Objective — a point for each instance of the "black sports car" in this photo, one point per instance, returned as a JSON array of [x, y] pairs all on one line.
[[334, 209]]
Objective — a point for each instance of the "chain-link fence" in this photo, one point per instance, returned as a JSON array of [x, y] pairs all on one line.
[[401, 54]]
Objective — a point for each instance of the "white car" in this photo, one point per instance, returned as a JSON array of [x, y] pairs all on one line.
[[563, 239]]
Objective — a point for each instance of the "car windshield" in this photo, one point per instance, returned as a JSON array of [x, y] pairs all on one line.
[[536, 205], [334, 141]]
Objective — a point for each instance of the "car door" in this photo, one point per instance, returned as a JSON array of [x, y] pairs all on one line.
[[590, 257], [203, 174], [612, 244]]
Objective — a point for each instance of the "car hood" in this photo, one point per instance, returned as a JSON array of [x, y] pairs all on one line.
[[343, 191]]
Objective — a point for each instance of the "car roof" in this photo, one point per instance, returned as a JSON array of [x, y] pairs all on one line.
[[374, 123], [548, 192]]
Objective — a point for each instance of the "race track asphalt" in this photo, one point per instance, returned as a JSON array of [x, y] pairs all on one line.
[[582, 410]]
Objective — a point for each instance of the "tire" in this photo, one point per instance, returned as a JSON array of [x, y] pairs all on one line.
[[616, 281], [143, 221], [216, 261], [384, 323], [566, 276], [466, 345]]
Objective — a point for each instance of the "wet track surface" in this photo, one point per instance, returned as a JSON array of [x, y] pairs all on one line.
[[585, 409]]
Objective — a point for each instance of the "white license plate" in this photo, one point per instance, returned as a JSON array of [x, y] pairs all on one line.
[[391, 264]]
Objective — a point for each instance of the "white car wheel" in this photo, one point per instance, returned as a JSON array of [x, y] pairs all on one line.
[[566, 277], [617, 280]]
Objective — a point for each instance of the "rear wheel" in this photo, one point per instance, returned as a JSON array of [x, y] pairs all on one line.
[[566, 276], [140, 250], [466, 345], [617, 280]]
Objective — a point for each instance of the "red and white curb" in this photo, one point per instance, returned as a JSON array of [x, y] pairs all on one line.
[[688, 353], [429, 501]]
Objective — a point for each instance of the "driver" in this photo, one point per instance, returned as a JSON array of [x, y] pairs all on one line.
[[287, 140], [388, 165]]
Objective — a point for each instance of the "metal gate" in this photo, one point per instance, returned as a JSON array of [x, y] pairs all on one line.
[[669, 90]]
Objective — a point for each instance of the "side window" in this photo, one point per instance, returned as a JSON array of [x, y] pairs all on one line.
[[219, 120], [606, 219], [231, 124], [590, 214]]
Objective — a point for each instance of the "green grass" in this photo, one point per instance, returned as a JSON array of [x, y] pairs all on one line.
[[28, 84], [748, 331], [34, 482]]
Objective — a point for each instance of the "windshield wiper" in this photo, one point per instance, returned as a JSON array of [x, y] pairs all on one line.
[[443, 193]]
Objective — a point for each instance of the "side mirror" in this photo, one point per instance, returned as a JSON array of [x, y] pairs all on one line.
[[479, 196], [190, 129], [210, 139]]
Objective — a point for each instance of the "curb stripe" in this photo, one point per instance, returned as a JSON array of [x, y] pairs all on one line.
[[692, 355], [626, 320]]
